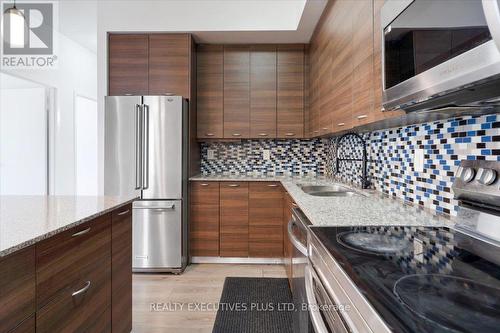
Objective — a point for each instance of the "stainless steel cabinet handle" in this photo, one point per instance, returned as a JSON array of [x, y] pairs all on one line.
[[262, 134], [314, 311], [81, 291], [145, 181], [324, 128], [209, 134], [138, 147], [362, 116], [272, 185], [296, 243], [234, 185], [79, 233], [289, 134], [203, 184], [340, 124], [236, 134], [124, 212]]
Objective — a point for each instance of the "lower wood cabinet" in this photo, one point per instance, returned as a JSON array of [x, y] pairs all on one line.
[[287, 245], [79, 280], [204, 219], [17, 291], [234, 219], [265, 220]]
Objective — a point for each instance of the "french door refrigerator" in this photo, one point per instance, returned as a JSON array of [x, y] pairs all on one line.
[[146, 151]]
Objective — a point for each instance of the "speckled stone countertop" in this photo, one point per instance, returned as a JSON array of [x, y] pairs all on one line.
[[369, 208], [25, 220]]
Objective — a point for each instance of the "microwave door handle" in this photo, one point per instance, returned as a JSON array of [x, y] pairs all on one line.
[[138, 147], [145, 147], [314, 311], [491, 10]]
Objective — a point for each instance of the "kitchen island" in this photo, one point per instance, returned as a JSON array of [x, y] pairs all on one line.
[[65, 263]]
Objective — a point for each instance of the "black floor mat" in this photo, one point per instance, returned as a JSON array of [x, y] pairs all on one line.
[[254, 305]]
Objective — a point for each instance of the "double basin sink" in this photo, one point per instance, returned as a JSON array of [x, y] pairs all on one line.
[[328, 191]]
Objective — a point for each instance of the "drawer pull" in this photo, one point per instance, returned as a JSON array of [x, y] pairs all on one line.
[[325, 128], [210, 134], [236, 134], [203, 184], [272, 185], [79, 233], [340, 124], [289, 134], [83, 290], [262, 134], [234, 185], [124, 212], [295, 205], [362, 116], [316, 131]]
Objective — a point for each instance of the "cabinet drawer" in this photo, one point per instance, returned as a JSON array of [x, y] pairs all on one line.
[[78, 308], [62, 258], [17, 288], [205, 193]]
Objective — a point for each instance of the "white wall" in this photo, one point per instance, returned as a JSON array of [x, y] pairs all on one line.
[[76, 73]]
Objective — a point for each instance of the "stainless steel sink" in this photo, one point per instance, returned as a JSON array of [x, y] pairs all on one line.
[[328, 190]]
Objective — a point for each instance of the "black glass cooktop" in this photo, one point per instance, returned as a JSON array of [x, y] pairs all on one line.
[[421, 279]]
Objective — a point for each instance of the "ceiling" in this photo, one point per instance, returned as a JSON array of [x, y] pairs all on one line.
[[210, 21]]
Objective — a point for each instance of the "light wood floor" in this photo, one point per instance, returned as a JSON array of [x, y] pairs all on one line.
[[200, 283]]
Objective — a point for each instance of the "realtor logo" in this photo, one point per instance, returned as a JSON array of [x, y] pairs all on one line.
[[35, 36]]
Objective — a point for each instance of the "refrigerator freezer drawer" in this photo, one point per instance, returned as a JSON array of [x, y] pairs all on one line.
[[157, 235]]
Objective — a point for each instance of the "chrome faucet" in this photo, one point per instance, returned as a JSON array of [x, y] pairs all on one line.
[[365, 183]]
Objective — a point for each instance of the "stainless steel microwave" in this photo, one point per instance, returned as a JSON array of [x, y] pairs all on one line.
[[440, 53]]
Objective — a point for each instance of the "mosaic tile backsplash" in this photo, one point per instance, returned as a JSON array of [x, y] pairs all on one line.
[[390, 152]]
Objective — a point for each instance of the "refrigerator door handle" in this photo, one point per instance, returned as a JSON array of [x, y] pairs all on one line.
[[145, 168], [138, 147]]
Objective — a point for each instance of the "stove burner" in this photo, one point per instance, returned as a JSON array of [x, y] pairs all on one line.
[[456, 304], [373, 243]]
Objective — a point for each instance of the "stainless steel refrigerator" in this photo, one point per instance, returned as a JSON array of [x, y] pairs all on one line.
[[146, 154]]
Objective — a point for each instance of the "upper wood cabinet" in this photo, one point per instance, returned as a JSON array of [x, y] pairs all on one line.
[[236, 91], [263, 91], [169, 64], [290, 91], [128, 64], [150, 64], [210, 91]]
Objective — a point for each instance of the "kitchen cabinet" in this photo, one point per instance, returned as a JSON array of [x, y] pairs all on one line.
[[17, 290], [265, 220], [150, 64], [290, 91], [204, 219], [121, 270], [236, 91], [287, 244], [169, 64], [210, 91], [78, 280], [128, 64], [263, 91], [234, 219]]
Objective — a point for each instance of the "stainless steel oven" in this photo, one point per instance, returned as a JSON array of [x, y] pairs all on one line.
[[297, 233], [440, 53]]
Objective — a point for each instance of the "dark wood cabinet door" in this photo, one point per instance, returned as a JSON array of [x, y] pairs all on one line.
[[263, 91], [210, 91], [234, 219], [265, 220], [287, 244], [17, 288], [27, 326], [121, 269], [204, 219], [290, 106], [169, 64], [128, 64], [236, 91]]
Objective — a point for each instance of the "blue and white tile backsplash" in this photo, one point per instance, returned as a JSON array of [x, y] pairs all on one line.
[[390, 153]]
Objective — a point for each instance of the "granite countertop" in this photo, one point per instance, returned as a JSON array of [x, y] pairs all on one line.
[[25, 220], [369, 208]]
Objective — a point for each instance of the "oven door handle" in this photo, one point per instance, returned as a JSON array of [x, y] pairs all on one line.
[[296, 243], [314, 312], [491, 10]]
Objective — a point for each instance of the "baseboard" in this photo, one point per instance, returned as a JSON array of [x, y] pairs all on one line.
[[238, 260]]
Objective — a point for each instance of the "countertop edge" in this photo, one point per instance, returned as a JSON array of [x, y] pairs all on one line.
[[37, 239]]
